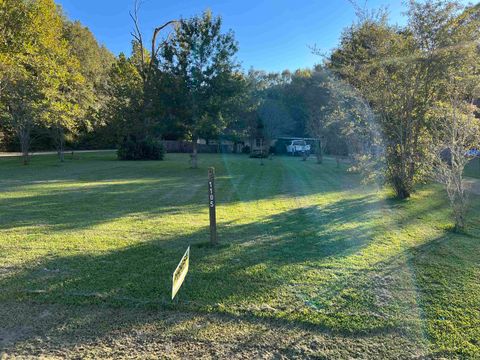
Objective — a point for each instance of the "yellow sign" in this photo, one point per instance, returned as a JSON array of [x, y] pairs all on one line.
[[180, 273]]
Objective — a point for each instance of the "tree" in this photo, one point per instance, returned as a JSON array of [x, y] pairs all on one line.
[[275, 120], [456, 129], [64, 113], [96, 62], [154, 82], [139, 91], [65, 97], [201, 59], [322, 109], [20, 96], [39, 74], [294, 92], [259, 87], [398, 71], [124, 109], [372, 58]]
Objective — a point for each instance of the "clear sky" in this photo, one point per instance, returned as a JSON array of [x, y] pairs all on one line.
[[273, 34]]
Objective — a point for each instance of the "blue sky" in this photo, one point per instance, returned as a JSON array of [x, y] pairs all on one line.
[[273, 34]]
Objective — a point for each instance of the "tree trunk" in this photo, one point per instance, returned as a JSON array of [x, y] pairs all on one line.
[[459, 210], [261, 152], [459, 222], [61, 145], [398, 170], [319, 152], [24, 137], [26, 159], [401, 188], [458, 198], [194, 155]]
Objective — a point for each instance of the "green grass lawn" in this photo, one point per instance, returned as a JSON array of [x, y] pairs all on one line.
[[473, 168], [301, 243]]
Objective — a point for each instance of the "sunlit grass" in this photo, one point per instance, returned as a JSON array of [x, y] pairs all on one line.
[[301, 242]]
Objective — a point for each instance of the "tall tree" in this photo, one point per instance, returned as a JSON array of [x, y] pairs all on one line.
[[322, 108], [155, 83], [40, 76], [275, 119], [124, 109], [20, 96], [398, 70], [96, 61], [456, 126], [201, 58]]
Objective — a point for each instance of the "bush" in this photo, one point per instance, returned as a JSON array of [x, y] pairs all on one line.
[[148, 149], [246, 149]]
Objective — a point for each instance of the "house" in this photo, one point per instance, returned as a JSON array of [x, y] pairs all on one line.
[[279, 144], [222, 145]]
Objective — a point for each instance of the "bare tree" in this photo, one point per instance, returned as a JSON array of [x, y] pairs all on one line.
[[458, 131], [148, 59]]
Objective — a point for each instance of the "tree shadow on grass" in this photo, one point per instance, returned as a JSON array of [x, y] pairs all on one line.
[[97, 331], [82, 197], [446, 280], [257, 264], [290, 268], [286, 267], [64, 208]]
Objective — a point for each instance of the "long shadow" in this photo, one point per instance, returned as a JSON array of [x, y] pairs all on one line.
[[257, 264], [278, 269], [81, 329], [78, 207], [446, 279], [75, 197]]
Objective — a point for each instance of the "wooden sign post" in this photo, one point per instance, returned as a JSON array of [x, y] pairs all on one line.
[[211, 205]]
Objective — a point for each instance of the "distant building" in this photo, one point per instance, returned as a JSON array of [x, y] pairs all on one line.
[[279, 144]]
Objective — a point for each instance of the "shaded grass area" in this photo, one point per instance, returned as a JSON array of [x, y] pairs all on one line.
[[300, 243], [473, 168], [60, 331]]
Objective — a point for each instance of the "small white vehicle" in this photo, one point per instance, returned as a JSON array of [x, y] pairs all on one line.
[[298, 147]]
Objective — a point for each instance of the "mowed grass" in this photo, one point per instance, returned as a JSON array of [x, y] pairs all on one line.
[[473, 168], [299, 242]]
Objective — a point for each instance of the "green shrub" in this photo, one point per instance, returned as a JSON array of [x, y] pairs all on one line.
[[148, 149]]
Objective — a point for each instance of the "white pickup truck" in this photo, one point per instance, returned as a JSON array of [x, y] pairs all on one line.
[[298, 147]]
